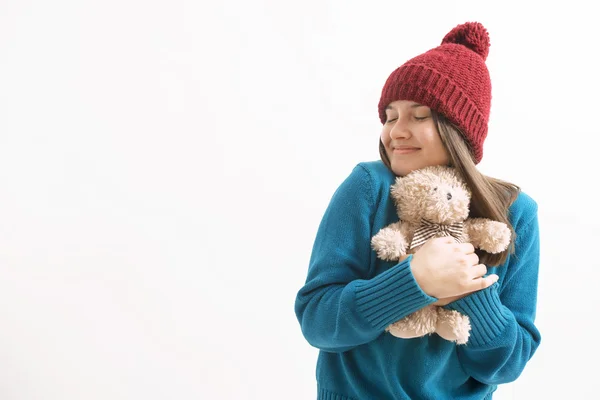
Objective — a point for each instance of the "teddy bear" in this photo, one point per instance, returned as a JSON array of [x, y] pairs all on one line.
[[433, 202]]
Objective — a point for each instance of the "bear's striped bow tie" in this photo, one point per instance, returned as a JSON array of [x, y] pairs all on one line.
[[428, 230]]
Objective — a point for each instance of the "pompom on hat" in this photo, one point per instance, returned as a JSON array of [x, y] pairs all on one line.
[[451, 79]]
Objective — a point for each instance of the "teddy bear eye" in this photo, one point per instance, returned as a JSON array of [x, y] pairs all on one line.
[[435, 189]]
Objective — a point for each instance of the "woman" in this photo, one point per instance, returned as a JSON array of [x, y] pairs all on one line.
[[434, 110]]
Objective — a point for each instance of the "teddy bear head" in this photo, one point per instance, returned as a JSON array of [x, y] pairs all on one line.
[[435, 193]]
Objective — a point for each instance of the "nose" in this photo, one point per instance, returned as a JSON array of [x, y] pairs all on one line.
[[400, 130], [449, 196]]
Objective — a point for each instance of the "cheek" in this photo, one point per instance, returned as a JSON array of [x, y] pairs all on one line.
[[385, 136], [432, 138]]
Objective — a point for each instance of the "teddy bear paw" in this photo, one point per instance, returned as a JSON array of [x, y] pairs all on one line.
[[417, 324], [497, 239], [389, 244], [453, 326]]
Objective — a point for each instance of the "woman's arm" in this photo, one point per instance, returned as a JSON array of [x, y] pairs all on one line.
[[503, 334], [341, 306]]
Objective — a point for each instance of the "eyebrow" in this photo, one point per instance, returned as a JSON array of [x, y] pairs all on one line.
[[416, 105]]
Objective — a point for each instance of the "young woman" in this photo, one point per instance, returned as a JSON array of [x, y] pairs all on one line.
[[434, 109]]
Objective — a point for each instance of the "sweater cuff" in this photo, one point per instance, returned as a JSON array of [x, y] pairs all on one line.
[[391, 296], [486, 313]]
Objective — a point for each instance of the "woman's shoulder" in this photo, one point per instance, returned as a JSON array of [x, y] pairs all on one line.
[[377, 173], [523, 210], [379, 176], [370, 180]]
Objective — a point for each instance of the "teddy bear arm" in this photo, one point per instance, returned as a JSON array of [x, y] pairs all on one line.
[[475, 229], [488, 235], [390, 242]]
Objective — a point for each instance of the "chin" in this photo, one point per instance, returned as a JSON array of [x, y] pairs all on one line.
[[404, 167], [402, 170]]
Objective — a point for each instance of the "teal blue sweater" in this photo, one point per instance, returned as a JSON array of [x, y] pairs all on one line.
[[350, 297]]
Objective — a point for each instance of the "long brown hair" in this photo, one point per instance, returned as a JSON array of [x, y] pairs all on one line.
[[490, 197]]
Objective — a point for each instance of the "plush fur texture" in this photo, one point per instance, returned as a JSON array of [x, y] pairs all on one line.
[[435, 194]]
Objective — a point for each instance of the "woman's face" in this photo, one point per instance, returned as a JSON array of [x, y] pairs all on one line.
[[410, 138]]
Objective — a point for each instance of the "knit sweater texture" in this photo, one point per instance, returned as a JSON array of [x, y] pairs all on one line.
[[350, 296]]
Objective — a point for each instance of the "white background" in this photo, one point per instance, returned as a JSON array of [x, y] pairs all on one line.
[[164, 166]]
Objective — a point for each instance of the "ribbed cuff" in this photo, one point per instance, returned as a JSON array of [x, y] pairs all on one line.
[[391, 296], [324, 394], [486, 313]]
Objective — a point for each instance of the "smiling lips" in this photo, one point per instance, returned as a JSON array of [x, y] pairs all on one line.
[[404, 149]]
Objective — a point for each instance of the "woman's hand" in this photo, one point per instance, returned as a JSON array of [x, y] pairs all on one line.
[[446, 269]]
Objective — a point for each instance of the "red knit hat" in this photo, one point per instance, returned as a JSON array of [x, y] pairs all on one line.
[[451, 79]]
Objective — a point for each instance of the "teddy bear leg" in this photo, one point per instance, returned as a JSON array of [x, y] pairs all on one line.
[[453, 326], [417, 324]]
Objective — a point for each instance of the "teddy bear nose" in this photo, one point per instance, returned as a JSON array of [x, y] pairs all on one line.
[[449, 196]]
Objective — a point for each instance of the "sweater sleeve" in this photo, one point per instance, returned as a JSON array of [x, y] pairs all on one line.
[[503, 334], [340, 305]]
